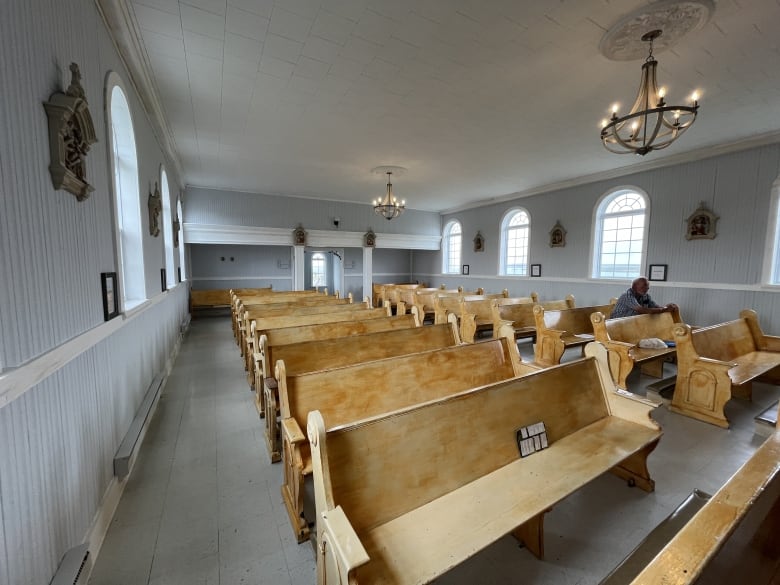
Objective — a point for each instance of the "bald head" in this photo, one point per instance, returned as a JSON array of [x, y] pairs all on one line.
[[640, 285]]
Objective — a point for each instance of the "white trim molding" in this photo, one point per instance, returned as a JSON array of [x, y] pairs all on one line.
[[267, 236]]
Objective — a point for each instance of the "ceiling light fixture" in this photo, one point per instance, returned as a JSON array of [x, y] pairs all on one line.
[[651, 124], [389, 207]]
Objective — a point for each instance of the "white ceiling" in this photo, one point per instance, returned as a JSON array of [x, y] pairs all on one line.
[[478, 99]]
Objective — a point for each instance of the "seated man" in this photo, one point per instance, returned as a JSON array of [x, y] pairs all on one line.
[[636, 301]]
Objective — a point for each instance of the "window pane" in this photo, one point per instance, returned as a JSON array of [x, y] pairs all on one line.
[[619, 241]]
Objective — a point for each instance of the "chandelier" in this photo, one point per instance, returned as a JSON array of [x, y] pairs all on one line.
[[389, 207], [651, 124]]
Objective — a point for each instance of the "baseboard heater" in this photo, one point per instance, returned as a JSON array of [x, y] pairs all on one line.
[[74, 568], [127, 451]]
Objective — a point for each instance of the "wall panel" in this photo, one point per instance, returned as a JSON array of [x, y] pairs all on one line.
[[59, 439]]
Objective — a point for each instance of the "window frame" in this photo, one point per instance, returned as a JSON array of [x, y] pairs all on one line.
[[446, 247], [126, 198], [504, 228], [597, 235], [771, 268], [167, 229]]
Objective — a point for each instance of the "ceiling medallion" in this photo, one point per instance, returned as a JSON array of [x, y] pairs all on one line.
[[677, 18]]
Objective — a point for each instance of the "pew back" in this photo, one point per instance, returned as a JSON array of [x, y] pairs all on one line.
[[418, 490], [301, 333]]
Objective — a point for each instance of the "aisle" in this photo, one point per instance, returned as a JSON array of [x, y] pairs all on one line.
[[203, 506]]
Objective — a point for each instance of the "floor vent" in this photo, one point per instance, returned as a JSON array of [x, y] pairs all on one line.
[[74, 568]]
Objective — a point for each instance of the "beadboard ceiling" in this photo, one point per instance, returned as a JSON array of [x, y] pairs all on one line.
[[479, 100]]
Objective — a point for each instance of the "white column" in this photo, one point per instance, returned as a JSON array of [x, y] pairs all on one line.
[[368, 273], [299, 265]]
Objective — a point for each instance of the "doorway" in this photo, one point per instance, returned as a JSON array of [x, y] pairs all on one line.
[[324, 268]]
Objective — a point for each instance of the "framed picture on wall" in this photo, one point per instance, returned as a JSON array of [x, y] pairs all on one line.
[[163, 280], [657, 272], [465, 269], [110, 290], [536, 270]]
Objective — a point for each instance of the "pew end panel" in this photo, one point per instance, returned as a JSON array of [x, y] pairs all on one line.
[[410, 506], [719, 362]]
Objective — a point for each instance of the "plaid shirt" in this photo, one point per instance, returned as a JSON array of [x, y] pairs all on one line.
[[628, 302]]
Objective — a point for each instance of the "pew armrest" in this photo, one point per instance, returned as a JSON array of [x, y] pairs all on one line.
[[342, 541], [292, 432]]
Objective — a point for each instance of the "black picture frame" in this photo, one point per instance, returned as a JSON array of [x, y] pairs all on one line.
[[163, 280], [465, 269], [178, 274], [657, 271], [110, 292], [536, 270]]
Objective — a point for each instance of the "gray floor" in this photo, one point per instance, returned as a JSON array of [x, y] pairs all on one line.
[[203, 506]]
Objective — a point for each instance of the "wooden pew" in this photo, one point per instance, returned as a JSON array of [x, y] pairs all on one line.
[[240, 301], [424, 300], [281, 336], [519, 312], [716, 362], [334, 352], [391, 292], [448, 302], [559, 329], [368, 388], [733, 538], [407, 297], [622, 336], [201, 300], [314, 332], [401, 498], [245, 312], [298, 316], [475, 313]]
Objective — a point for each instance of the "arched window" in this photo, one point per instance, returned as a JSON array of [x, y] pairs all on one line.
[[451, 244], [620, 237], [167, 229], [182, 263], [124, 167], [772, 262], [515, 235], [318, 276]]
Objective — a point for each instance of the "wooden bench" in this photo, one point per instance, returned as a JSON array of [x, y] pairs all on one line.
[[621, 338], [258, 325], [353, 392], [733, 538], [317, 347], [424, 301], [403, 497], [475, 314], [204, 300], [520, 313], [559, 329], [240, 301], [245, 312], [448, 302], [717, 362]]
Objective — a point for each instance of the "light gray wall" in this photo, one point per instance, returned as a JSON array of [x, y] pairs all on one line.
[[242, 267], [712, 280], [209, 206], [59, 435]]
